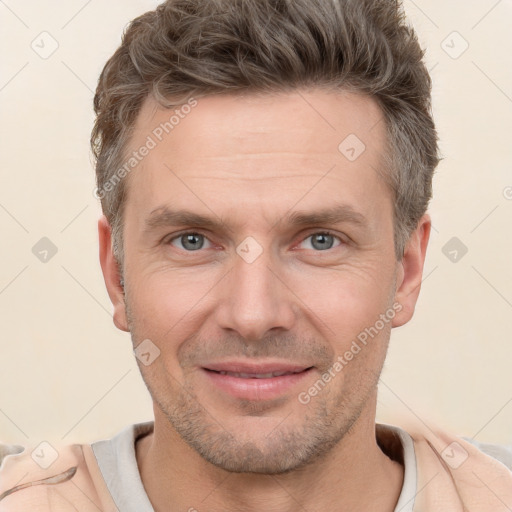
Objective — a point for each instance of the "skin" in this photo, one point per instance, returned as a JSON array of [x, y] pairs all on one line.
[[250, 161]]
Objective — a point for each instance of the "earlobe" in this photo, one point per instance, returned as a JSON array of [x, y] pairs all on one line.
[[410, 271], [111, 275]]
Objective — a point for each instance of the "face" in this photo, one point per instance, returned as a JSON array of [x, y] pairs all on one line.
[[257, 254]]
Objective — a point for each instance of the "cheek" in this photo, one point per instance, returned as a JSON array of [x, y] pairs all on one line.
[[343, 303], [167, 305], [173, 303]]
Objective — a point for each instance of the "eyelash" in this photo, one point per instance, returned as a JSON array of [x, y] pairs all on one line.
[[327, 233]]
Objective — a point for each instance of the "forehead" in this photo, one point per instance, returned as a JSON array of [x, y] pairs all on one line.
[[265, 149], [312, 119]]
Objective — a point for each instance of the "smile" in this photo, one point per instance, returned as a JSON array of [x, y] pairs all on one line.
[[256, 375], [256, 382]]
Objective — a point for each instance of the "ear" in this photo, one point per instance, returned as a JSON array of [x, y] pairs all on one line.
[[111, 275], [410, 271]]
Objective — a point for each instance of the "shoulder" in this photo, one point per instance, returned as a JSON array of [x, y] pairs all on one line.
[[442, 441], [457, 472], [46, 478], [500, 452]]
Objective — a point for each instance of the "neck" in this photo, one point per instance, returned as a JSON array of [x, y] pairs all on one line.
[[354, 475]]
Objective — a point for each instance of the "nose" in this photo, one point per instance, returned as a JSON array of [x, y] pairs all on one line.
[[256, 299]]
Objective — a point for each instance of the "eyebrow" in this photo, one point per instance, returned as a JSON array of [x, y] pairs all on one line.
[[166, 217]]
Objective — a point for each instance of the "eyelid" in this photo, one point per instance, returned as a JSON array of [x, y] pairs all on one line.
[[313, 231], [319, 231], [167, 240]]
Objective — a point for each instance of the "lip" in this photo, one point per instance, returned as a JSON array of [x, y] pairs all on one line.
[[253, 367], [258, 389]]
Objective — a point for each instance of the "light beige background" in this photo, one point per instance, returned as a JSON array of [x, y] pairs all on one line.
[[68, 375]]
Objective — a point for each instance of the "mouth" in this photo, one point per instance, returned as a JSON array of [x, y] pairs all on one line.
[[268, 375], [256, 382]]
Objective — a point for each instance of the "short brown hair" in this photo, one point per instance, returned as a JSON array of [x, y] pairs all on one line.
[[195, 48]]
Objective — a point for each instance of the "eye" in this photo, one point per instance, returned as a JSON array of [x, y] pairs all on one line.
[[322, 241], [189, 242], [193, 241]]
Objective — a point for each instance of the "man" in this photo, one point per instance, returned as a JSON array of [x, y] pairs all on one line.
[[265, 168]]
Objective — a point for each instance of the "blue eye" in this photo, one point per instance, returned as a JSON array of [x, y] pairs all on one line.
[[322, 241], [190, 241]]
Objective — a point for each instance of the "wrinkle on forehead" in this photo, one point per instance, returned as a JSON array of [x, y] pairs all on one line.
[[268, 149]]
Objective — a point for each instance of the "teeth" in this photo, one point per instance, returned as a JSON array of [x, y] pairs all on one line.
[[256, 375]]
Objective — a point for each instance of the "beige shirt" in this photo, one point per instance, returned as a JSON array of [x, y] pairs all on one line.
[[441, 473]]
